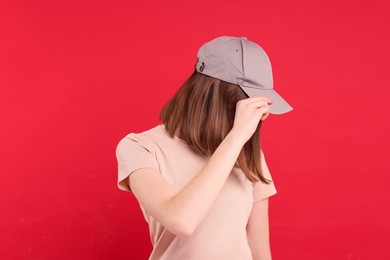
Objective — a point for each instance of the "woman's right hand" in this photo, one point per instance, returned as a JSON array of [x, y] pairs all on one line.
[[249, 112]]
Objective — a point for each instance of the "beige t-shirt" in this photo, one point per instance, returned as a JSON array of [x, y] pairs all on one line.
[[222, 233]]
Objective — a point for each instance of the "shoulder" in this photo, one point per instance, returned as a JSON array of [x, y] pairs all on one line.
[[136, 151], [147, 134], [147, 137]]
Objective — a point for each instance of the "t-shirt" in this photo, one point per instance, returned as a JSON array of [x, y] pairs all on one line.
[[222, 232]]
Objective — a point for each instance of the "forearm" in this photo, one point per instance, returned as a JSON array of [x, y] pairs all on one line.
[[262, 254], [193, 202], [258, 231]]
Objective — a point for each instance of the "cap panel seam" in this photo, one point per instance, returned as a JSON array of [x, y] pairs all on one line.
[[243, 60]]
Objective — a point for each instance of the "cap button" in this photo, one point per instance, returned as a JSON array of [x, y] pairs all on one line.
[[244, 38]]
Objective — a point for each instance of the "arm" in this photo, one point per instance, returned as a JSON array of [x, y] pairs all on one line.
[[181, 212], [258, 231]]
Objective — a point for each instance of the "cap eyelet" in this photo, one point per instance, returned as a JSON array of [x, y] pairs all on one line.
[[201, 68]]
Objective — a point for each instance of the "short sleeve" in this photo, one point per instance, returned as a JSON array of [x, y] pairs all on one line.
[[261, 190], [133, 153]]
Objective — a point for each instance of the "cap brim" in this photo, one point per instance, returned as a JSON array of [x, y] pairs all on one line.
[[279, 105]]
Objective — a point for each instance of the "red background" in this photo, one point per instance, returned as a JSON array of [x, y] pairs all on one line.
[[77, 76]]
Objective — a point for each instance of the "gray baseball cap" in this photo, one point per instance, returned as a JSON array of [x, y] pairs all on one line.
[[239, 61]]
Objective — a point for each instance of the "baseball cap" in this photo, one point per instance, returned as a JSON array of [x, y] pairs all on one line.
[[239, 61]]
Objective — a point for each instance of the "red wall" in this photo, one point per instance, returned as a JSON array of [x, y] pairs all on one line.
[[77, 76]]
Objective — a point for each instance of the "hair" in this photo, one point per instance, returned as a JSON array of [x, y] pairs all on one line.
[[202, 113]]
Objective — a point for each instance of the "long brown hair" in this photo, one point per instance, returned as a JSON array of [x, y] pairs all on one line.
[[202, 114]]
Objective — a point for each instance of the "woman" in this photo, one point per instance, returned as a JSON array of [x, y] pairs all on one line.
[[200, 177]]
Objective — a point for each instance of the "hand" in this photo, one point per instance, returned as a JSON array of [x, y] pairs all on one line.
[[249, 112]]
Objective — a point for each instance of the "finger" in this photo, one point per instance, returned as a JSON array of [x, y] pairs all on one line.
[[263, 111], [254, 99], [262, 98], [258, 103], [264, 116]]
